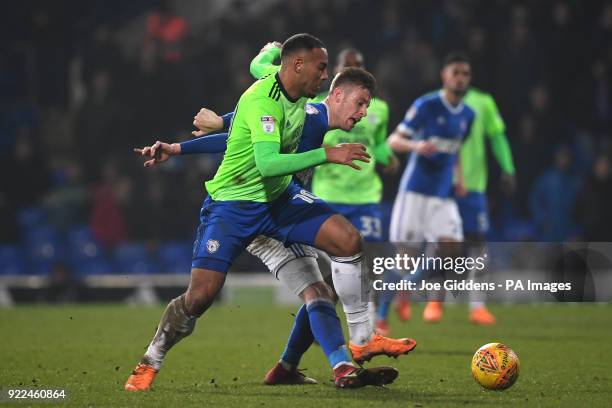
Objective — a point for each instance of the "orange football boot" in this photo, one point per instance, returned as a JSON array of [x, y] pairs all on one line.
[[379, 345], [482, 316], [141, 378], [433, 312]]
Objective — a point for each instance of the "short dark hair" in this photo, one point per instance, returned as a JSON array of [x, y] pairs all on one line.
[[299, 42], [355, 76], [455, 57]]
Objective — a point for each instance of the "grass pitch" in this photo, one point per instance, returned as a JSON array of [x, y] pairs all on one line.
[[90, 350]]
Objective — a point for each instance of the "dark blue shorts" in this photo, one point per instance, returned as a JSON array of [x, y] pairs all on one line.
[[228, 227], [367, 218], [474, 213]]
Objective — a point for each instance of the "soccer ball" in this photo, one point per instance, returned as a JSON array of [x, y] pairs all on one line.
[[495, 366]]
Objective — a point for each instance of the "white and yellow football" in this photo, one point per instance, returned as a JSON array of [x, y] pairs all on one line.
[[495, 366]]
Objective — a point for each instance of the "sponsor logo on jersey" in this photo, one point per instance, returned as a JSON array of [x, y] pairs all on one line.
[[441, 120], [212, 245], [450, 146], [267, 124]]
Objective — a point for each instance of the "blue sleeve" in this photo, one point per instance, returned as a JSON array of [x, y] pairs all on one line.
[[315, 127], [227, 120], [205, 144], [415, 118]]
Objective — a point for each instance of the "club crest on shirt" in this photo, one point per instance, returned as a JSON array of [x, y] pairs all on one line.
[[267, 124], [311, 110], [212, 245]]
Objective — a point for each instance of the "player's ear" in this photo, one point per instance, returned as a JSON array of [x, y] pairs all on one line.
[[298, 64], [338, 93]]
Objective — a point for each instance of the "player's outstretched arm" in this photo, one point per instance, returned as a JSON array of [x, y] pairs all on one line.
[[271, 163], [159, 152], [400, 143], [347, 153], [263, 63]]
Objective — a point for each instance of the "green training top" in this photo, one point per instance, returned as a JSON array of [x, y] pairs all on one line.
[[344, 185], [473, 151], [264, 113]]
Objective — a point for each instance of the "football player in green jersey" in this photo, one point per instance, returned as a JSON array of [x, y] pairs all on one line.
[[473, 201], [253, 194]]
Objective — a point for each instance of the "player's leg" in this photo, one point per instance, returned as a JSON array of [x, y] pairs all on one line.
[[177, 322], [207, 278], [474, 214], [297, 269], [444, 227], [407, 233], [314, 223], [367, 218]]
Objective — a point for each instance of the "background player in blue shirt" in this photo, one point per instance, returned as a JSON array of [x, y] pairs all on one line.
[[425, 210]]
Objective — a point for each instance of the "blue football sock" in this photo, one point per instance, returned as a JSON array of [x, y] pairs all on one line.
[[326, 329], [300, 338]]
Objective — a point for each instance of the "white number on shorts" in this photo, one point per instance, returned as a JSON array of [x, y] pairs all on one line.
[[305, 196], [372, 227]]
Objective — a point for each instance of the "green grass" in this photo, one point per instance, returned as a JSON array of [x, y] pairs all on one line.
[[90, 350]]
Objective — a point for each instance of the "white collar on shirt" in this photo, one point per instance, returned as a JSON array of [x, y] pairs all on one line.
[[452, 109]]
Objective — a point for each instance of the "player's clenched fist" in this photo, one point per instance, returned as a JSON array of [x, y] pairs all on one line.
[[206, 121], [345, 153], [159, 152]]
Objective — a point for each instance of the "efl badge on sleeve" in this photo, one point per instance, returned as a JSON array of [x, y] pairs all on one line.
[[267, 124]]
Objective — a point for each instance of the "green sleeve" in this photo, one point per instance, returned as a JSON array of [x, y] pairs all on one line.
[[494, 124], [263, 63], [382, 151], [502, 152], [270, 162], [495, 128]]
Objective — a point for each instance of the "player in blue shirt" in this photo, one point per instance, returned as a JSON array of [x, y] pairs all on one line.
[[424, 209], [294, 265]]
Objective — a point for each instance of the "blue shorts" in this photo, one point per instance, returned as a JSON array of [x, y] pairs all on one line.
[[474, 213], [228, 227], [367, 218]]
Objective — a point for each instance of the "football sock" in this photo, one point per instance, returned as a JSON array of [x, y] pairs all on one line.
[[326, 329], [477, 298], [386, 296], [353, 289], [300, 339], [175, 325]]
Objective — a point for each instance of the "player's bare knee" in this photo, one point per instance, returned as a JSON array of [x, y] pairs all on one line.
[[203, 289], [352, 243], [317, 291], [196, 303]]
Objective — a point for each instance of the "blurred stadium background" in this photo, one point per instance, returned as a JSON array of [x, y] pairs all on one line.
[[82, 83]]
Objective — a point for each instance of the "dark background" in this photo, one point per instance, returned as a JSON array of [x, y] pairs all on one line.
[[83, 82]]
